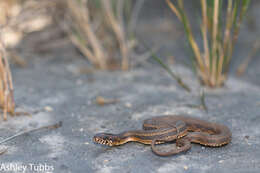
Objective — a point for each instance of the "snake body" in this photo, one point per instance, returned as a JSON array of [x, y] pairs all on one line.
[[161, 129]]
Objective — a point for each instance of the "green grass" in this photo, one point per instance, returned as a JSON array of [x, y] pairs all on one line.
[[219, 29]]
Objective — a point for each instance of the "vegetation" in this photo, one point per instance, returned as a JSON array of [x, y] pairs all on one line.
[[102, 30], [6, 85], [219, 34]]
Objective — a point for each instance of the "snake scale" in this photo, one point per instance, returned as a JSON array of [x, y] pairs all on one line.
[[184, 130]]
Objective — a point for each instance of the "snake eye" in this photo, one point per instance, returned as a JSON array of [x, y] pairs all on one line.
[[106, 139]]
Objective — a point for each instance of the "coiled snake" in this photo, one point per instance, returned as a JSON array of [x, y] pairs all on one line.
[[162, 129]]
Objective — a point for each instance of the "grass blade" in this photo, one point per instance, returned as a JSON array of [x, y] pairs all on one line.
[[172, 74], [165, 67]]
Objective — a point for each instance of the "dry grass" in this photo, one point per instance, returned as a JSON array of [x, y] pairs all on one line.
[[17, 18], [100, 30], [21, 17], [6, 85], [219, 34]]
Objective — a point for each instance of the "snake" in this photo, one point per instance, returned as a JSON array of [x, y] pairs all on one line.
[[182, 129]]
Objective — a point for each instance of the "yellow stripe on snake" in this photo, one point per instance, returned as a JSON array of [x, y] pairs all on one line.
[[161, 129]]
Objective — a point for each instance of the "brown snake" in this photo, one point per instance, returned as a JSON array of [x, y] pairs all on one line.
[[162, 129]]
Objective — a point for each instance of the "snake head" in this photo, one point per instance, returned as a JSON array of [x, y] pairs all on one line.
[[106, 139]]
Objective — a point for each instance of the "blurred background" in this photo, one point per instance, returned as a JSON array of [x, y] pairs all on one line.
[[43, 27], [113, 35]]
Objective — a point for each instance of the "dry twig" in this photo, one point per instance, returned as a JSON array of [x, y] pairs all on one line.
[[103, 101], [53, 126]]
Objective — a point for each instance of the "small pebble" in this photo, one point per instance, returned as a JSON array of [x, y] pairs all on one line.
[[128, 105], [185, 167], [48, 108], [247, 137], [2, 151], [86, 143], [220, 161], [81, 129]]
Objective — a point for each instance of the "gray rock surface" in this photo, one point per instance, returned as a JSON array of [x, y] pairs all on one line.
[[146, 91], [142, 93]]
